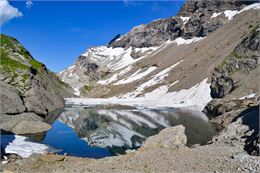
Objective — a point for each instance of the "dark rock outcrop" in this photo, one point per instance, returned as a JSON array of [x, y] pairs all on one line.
[[243, 59]]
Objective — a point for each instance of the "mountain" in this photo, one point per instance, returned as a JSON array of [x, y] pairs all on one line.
[[29, 91], [206, 57], [168, 57]]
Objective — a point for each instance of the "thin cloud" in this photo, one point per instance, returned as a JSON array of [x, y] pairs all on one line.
[[8, 12], [28, 4]]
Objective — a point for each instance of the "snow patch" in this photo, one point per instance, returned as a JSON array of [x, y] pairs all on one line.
[[185, 19], [136, 76], [122, 67], [180, 40], [156, 79], [254, 6], [22, 145], [76, 91], [215, 15], [231, 13], [196, 96]]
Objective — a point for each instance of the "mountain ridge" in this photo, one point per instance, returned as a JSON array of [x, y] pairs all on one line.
[[119, 71]]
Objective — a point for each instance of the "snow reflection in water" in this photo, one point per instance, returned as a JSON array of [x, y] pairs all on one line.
[[100, 132]]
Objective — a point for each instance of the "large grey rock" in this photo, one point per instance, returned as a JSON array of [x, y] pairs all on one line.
[[30, 127], [10, 101], [8, 122], [168, 137], [221, 84], [34, 87], [42, 98]]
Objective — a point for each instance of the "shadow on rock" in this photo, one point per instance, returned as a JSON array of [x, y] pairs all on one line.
[[250, 117]]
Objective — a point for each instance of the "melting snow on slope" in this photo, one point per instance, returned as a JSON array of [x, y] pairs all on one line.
[[198, 95], [125, 62], [156, 79], [215, 15], [180, 40], [136, 76], [114, 58], [231, 13], [22, 146], [185, 19]]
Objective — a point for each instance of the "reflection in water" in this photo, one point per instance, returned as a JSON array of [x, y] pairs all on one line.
[[119, 129]]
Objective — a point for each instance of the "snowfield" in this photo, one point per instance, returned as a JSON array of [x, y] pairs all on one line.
[[231, 13], [197, 96]]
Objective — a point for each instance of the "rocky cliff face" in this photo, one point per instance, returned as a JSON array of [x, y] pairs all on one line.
[[195, 19], [27, 86]]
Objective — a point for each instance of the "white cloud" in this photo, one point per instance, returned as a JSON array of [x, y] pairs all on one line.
[[29, 4], [8, 12]]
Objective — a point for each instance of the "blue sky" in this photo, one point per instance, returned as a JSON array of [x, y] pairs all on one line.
[[56, 33]]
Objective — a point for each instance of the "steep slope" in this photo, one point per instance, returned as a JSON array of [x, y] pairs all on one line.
[[156, 60], [28, 88], [235, 89]]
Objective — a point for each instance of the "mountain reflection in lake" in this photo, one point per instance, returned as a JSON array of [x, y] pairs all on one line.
[[100, 132]]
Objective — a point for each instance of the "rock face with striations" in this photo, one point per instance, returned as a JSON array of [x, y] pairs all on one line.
[[26, 84]]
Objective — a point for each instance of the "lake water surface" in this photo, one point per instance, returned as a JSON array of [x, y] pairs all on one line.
[[99, 132]]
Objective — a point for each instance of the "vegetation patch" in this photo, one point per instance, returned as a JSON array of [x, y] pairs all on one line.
[[36, 64], [8, 63], [88, 88]]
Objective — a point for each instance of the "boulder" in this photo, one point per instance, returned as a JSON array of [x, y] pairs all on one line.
[[8, 122], [221, 84], [168, 137], [30, 127]]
